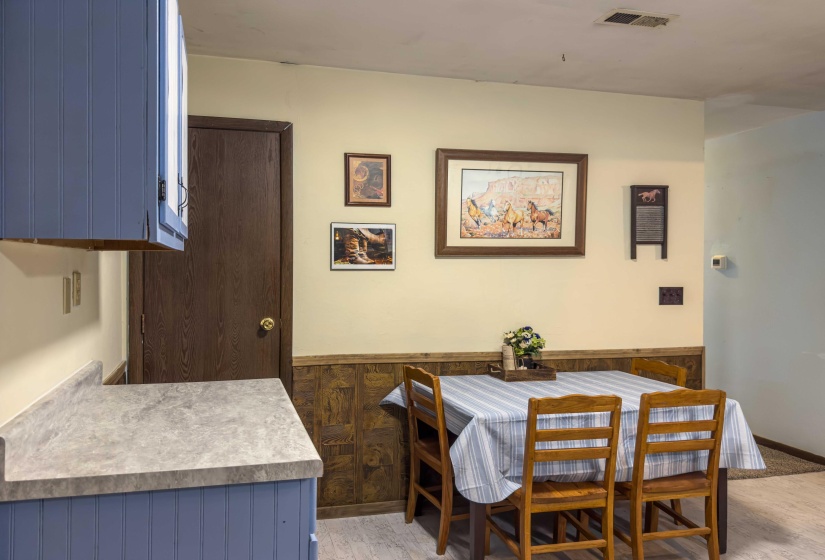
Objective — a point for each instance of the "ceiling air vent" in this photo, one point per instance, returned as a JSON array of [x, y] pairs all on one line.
[[635, 18]]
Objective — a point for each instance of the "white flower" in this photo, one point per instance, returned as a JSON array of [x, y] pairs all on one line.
[[523, 344], [509, 334], [527, 335]]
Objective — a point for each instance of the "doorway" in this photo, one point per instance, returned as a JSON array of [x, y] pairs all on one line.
[[221, 309]]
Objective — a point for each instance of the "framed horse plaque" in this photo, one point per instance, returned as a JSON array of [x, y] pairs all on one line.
[[648, 217], [499, 204]]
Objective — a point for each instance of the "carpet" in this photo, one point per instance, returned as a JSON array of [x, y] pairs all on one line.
[[778, 463]]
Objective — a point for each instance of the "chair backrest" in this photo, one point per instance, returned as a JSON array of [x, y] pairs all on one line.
[[677, 373], [572, 404], [425, 408], [676, 400]]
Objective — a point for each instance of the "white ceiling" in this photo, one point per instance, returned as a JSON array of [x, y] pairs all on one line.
[[751, 56]]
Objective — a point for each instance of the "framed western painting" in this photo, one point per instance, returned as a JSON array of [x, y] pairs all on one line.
[[367, 178], [362, 246], [490, 203]]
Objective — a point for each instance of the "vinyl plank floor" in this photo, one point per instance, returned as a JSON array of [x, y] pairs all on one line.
[[769, 518]]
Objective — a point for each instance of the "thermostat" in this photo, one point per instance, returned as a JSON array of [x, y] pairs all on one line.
[[719, 262]]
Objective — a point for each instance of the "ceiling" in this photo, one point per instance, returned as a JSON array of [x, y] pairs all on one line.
[[753, 58]]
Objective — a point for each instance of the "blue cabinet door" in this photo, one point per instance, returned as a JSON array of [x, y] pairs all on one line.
[[83, 120], [169, 116], [183, 135]]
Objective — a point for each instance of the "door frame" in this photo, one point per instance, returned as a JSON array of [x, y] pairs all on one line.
[[136, 270]]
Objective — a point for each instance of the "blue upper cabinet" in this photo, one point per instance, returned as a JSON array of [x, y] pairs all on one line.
[[93, 121]]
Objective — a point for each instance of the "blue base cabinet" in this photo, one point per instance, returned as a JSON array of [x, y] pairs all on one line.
[[93, 119], [263, 521]]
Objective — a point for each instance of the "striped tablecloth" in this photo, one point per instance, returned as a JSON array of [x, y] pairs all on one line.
[[490, 418]]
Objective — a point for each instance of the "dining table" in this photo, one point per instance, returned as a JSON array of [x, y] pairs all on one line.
[[488, 416]]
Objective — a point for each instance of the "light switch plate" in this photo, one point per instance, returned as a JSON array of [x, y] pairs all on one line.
[[67, 295], [75, 288]]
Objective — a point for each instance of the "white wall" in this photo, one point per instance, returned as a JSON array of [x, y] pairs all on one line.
[[39, 346], [765, 315], [604, 300]]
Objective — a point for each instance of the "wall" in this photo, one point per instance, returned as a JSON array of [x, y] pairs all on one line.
[[765, 315], [39, 346], [602, 301]]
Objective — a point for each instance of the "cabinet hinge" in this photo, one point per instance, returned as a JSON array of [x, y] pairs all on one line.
[[161, 189], [142, 323]]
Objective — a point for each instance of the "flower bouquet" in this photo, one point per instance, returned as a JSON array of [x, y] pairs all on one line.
[[525, 344], [524, 341]]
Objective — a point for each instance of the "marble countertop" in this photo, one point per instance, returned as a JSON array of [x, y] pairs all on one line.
[[84, 438]]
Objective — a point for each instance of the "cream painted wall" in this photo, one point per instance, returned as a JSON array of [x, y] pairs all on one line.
[[39, 346], [603, 300]]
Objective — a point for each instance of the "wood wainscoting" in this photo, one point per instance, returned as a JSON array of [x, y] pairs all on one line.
[[364, 446]]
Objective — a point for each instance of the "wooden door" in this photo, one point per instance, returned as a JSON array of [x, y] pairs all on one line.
[[200, 310]]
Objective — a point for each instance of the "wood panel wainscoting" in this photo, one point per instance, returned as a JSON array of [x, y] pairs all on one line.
[[364, 446]]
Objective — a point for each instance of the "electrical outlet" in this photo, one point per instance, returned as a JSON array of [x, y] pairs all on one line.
[[67, 296], [75, 288], [671, 296]]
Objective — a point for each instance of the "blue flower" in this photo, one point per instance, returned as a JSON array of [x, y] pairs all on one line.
[[528, 328]]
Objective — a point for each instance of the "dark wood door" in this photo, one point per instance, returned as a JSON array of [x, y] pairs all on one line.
[[202, 308]]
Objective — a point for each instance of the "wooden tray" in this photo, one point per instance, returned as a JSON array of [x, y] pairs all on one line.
[[541, 372]]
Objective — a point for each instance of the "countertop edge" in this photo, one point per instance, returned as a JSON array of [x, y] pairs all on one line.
[[24, 490]]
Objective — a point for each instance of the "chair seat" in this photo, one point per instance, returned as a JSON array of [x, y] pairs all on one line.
[[562, 492], [690, 482]]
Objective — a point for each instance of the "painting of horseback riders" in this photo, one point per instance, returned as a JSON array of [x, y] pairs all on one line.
[[502, 204]]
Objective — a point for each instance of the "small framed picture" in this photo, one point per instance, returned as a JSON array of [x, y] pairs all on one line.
[[367, 180], [362, 246]]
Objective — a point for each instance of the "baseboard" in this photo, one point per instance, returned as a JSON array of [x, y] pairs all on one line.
[[118, 375], [357, 510], [800, 453]]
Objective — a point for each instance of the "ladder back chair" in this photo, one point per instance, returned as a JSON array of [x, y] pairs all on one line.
[[435, 452], [563, 497], [677, 374], [652, 493]]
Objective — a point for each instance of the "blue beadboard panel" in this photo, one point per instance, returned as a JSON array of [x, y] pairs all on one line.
[[79, 120], [76, 179], [264, 521]]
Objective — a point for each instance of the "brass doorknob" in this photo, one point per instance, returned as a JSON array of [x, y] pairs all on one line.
[[267, 323]]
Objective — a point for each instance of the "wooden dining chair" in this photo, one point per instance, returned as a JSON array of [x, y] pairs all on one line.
[[677, 373], [563, 497], [434, 451], [679, 376], [652, 493]]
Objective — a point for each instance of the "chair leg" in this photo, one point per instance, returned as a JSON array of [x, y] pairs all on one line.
[[446, 513], [487, 531], [412, 496], [517, 522], [651, 518], [712, 522], [607, 531], [636, 542], [560, 532], [525, 538], [677, 507], [584, 519]]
